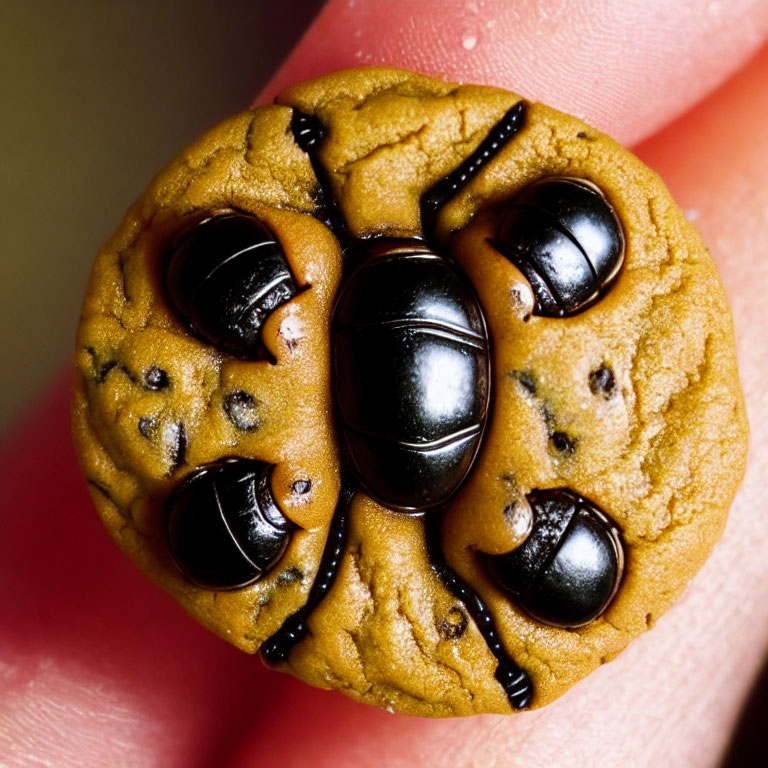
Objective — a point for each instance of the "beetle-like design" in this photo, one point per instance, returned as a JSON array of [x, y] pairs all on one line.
[[568, 569], [411, 366], [412, 390], [226, 276], [244, 542]]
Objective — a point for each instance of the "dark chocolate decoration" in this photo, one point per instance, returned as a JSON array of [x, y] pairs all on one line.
[[568, 569], [277, 648], [155, 379], [515, 681], [602, 381], [562, 443], [224, 529], [565, 237], [225, 277], [444, 190], [308, 133], [454, 625], [242, 410], [412, 368]]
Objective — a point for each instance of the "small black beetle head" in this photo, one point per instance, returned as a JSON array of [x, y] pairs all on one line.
[[568, 570], [565, 237], [223, 527], [225, 276]]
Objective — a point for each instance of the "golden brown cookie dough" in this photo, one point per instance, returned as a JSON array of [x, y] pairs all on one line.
[[634, 403]]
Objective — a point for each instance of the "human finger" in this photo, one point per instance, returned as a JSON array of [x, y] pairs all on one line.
[[627, 68]]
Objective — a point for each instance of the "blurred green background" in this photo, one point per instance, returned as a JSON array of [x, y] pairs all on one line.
[[97, 96]]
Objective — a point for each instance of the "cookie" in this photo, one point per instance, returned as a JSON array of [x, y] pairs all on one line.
[[423, 392]]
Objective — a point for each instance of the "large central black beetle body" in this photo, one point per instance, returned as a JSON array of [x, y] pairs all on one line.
[[412, 391], [411, 371]]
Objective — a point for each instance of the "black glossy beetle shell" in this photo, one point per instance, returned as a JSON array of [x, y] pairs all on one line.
[[411, 367], [225, 276], [411, 386], [568, 569], [223, 527], [565, 237]]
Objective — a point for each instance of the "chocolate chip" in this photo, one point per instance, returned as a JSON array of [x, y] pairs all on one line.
[[147, 426], [241, 408], [300, 487], [155, 378], [602, 381], [176, 437], [290, 575], [562, 443], [290, 341], [526, 379], [454, 625], [549, 418]]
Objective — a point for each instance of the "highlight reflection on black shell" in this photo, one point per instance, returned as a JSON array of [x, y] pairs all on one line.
[[565, 237], [568, 569], [225, 277], [411, 367], [223, 527]]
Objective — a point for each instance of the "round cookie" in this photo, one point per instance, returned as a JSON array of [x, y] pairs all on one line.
[[629, 405]]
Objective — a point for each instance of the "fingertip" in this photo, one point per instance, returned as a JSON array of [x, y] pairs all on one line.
[[627, 68]]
